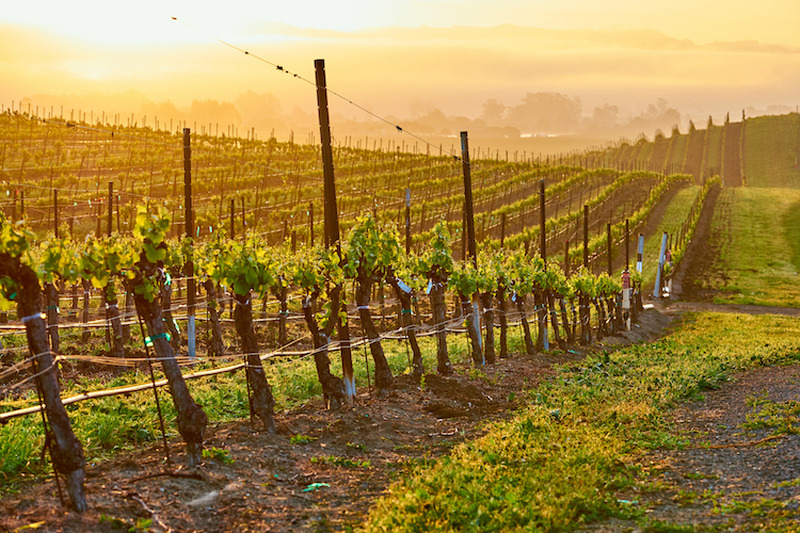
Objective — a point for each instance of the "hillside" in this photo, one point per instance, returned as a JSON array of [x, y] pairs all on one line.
[[758, 152]]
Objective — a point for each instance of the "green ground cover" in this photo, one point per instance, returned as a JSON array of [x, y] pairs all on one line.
[[772, 147], [713, 158], [675, 215], [759, 238], [560, 462], [109, 425]]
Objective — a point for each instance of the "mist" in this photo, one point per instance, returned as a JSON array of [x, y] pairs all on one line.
[[507, 83]]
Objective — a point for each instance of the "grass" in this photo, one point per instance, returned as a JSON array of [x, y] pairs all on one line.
[[680, 144], [109, 425], [546, 471], [675, 215], [771, 151], [759, 233], [714, 149]]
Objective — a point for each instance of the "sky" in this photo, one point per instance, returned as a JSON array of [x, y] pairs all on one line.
[[407, 57], [147, 21]]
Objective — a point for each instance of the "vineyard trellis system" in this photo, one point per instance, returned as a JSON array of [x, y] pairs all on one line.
[[319, 286]]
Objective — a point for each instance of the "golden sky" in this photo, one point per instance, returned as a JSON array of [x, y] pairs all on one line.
[[405, 57]]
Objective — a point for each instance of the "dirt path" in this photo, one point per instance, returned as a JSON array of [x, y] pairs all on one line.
[[727, 475], [738, 465]]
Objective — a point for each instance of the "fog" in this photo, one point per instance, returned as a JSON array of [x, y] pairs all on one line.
[[506, 83]]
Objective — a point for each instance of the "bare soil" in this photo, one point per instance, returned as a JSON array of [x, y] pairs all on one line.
[[320, 473], [724, 477]]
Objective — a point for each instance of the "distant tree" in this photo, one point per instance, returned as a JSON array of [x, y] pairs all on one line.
[[692, 127], [494, 113], [546, 113], [212, 111], [262, 111], [604, 117]]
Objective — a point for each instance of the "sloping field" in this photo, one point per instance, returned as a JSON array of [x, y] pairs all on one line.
[[712, 160], [732, 155], [677, 153], [659, 154], [759, 152], [675, 214], [694, 154], [771, 149], [757, 234]]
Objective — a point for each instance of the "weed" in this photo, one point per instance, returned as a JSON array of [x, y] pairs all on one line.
[[301, 439], [698, 475], [219, 455], [780, 418], [341, 461], [658, 526]]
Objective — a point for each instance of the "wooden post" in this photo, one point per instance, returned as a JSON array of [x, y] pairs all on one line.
[[55, 213], [627, 246], [311, 223], [542, 233], [110, 207], [188, 268], [566, 258], [408, 221], [502, 230], [330, 210], [468, 205], [608, 242], [119, 225], [233, 207], [586, 236], [474, 323], [585, 316], [464, 231]]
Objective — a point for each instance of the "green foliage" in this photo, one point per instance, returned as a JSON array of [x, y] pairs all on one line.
[[370, 252], [15, 241], [58, 259], [301, 439], [245, 266], [466, 279], [544, 472], [150, 233], [151, 230], [345, 462], [101, 260], [583, 282], [436, 263], [223, 456]]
